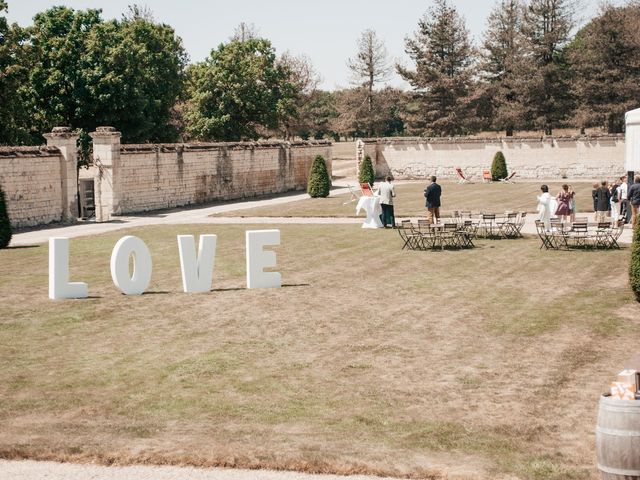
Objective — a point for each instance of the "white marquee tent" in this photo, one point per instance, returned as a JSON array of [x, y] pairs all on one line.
[[632, 141]]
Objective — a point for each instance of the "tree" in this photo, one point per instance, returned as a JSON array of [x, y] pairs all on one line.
[[444, 72], [499, 167], [502, 66], [367, 174], [605, 61], [634, 267], [545, 84], [319, 182], [369, 67], [237, 91], [243, 32], [88, 72], [5, 223], [14, 120]]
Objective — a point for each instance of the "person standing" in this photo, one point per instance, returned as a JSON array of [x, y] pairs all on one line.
[[433, 193], [564, 203], [574, 206], [634, 200], [387, 192], [602, 202], [544, 207], [615, 199], [625, 209]]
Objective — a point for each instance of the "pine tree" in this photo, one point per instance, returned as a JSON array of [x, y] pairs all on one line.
[[319, 183], [5, 224], [604, 58], [443, 78], [367, 174], [634, 268], [498, 167], [502, 63], [545, 84]]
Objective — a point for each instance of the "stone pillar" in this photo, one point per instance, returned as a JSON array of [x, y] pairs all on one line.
[[106, 156], [66, 141]]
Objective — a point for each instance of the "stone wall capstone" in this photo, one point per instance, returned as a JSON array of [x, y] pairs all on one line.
[[592, 157]]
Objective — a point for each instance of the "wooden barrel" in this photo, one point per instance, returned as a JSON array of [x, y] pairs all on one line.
[[618, 439]]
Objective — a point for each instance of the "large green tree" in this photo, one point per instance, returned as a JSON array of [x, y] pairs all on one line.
[[237, 93], [605, 61], [14, 58], [443, 78], [545, 83], [87, 72], [502, 66]]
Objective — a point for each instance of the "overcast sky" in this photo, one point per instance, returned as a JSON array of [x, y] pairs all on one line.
[[325, 30]]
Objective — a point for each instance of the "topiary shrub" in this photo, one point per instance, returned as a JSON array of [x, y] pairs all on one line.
[[634, 268], [5, 224], [367, 174], [319, 182], [498, 167]]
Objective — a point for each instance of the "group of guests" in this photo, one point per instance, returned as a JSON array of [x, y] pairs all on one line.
[[610, 199], [387, 193]]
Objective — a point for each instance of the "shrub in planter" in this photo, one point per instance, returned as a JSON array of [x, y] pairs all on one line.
[[366, 174], [634, 268], [5, 224], [498, 167], [319, 182]]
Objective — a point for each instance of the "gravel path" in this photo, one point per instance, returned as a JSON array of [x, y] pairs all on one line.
[[31, 470]]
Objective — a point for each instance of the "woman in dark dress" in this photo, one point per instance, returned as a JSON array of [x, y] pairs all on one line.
[[564, 203]]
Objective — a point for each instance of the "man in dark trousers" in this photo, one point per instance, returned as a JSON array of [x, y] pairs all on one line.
[[634, 200], [602, 197], [432, 194]]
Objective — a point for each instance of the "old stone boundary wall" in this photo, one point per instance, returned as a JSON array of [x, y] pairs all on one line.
[[41, 183], [151, 177], [592, 157]]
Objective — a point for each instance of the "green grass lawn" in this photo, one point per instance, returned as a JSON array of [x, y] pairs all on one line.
[[369, 359], [487, 197]]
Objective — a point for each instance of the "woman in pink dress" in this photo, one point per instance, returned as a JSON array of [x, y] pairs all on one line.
[[564, 203]]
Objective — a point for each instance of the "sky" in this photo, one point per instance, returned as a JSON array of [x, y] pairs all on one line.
[[324, 30]]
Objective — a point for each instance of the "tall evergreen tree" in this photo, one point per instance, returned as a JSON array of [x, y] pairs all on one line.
[[369, 67], [502, 65], [545, 83], [444, 71], [605, 61]]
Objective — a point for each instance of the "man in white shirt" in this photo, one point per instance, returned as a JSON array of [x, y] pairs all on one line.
[[387, 192], [625, 209]]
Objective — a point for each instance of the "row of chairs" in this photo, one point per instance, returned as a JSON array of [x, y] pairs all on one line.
[[424, 235], [491, 225], [579, 234]]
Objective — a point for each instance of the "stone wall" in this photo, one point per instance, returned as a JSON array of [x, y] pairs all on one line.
[[547, 157], [137, 178]]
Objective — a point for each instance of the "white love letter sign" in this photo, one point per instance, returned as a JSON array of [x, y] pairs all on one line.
[[59, 285], [138, 283], [197, 271], [258, 259]]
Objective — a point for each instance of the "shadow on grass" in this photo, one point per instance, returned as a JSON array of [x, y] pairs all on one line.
[[236, 289], [17, 247]]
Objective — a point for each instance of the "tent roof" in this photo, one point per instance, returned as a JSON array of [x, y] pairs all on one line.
[[632, 117]]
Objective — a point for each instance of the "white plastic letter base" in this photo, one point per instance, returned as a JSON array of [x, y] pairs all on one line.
[[138, 283], [59, 285], [258, 259], [197, 271]]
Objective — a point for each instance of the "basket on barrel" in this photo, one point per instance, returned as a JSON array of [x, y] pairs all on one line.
[[618, 438]]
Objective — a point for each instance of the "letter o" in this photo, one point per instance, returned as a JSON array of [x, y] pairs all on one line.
[[138, 283]]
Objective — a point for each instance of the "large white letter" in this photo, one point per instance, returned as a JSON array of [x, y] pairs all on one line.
[[126, 247], [259, 259], [197, 272], [59, 286]]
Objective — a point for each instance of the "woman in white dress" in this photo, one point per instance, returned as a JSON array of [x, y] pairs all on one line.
[[544, 207]]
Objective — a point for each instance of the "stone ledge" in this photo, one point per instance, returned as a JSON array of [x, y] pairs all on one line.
[[40, 151], [203, 147], [490, 140]]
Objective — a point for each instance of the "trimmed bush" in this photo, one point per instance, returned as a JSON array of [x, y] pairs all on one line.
[[319, 182], [5, 224], [499, 167], [366, 174], [634, 268]]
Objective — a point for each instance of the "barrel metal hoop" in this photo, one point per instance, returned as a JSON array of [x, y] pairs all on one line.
[[618, 471], [618, 433]]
